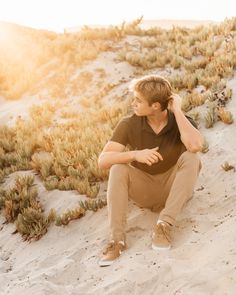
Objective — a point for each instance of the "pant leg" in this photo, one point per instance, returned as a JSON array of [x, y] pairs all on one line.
[[172, 189], [179, 187], [117, 200], [126, 181]]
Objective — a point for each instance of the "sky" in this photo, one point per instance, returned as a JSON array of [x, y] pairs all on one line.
[[56, 15]]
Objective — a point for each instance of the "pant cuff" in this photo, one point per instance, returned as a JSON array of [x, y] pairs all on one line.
[[167, 219], [118, 238]]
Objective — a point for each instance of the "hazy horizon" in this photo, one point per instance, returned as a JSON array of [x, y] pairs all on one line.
[[59, 15]]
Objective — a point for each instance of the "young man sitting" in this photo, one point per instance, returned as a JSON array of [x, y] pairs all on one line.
[[159, 170]]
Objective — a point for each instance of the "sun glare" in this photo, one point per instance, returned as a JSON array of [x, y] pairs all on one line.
[[5, 35]]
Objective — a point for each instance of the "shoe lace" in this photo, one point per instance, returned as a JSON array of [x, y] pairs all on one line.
[[110, 247]]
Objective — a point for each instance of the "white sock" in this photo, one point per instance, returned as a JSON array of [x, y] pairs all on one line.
[[162, 221], [120, 242]]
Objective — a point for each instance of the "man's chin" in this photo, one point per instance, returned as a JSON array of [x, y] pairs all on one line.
[[137, 113]]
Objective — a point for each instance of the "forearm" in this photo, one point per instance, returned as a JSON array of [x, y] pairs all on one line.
[[190, 136], [107, 159]]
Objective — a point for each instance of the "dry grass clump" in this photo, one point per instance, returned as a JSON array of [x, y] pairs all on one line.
[[114, 33], [186, 103], [220, 66], [218, 87], [69, 215], [195, 115], [32, 224], [21, 205], [93, 205], [149, 42], [136, 59], [176, 81], [14, 154], [145, 58], [78, 212], [182, 80], [211, 116], [207, 81], [176, 62], [190, 81], [219, 93], [42, 162], [224, 115], [226, 166], [193, 99], [205, 147], [197, 63], [132, 28], [21, 196], [184, 51], [197, 99]]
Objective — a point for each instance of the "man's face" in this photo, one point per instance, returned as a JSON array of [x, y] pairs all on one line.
[[141, 107]]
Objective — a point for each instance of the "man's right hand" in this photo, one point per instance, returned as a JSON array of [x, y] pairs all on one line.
[[148, 156]]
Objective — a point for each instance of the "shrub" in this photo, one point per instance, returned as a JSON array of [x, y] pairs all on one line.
[[224, 115]]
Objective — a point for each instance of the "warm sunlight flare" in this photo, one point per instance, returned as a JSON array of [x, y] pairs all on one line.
[[5, 35]]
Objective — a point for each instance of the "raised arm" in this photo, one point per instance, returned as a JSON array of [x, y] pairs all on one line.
[[190, 136]]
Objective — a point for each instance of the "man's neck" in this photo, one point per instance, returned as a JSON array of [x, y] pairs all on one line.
[[158, 119]]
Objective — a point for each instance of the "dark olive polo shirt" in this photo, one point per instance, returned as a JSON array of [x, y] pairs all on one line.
[[135, 132]]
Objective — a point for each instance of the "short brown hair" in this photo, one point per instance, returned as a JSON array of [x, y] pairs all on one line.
[[153, 88]]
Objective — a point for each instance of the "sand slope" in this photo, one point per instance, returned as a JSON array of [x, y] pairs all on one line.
[[201, 262]]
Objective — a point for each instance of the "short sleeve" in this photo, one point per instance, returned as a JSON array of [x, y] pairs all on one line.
[[192, 121], [120, 133]]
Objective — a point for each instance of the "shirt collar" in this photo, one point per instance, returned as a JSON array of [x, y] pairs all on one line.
[[148, 128]]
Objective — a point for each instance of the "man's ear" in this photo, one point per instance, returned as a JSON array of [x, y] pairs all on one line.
[[156, 105]]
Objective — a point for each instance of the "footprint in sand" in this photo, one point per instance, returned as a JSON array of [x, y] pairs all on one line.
[[5, 264]]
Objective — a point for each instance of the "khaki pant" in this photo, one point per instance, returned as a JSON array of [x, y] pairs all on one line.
[[169, 190]]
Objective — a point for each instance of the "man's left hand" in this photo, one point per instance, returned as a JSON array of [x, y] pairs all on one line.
[[175, 103]]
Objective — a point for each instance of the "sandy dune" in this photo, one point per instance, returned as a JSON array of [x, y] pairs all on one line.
[[202, 260]]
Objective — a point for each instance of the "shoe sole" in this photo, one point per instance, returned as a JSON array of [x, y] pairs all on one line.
[[105, 263], [108, 262], [160, 248]]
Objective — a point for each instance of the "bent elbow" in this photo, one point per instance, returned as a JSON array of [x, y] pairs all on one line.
[[195, 145], [194, 148], [102, 164]]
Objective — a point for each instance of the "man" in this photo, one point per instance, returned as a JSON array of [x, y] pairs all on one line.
[[159, 170]]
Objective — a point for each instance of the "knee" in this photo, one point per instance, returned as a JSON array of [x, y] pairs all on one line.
[[119, 170], [192, 159]]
